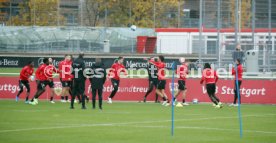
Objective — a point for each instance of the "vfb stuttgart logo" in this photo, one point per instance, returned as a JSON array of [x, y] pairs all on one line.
[[58, 88]]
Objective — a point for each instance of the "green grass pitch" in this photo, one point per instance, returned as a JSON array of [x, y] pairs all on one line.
[[134, 123]]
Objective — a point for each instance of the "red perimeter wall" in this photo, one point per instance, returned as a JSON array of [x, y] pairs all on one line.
[[133, 89]]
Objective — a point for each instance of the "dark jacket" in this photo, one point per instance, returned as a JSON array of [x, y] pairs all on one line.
[[98, 76], [152, 71], [78, 66], [238, 55]]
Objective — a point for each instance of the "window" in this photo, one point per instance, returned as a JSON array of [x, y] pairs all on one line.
[[211, 47], [230, 47], [197, 45], [71, 19], [212, 37], [269, 45]]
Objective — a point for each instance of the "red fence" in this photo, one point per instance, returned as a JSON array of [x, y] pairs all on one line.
[[146, 44], [132, 89]]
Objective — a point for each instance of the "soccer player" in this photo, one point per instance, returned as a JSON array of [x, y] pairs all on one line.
[[60, 76], [182, 71], [240, 72], [161, 79], [50, 69], [114, 74], [42, 82], [66, 77], [210, 77], [71, 87], [97, 80], [79, 78], [25, 74], [153, 79]]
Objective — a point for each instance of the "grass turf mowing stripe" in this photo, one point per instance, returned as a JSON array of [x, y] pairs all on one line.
[[201, 128], [127, 123]]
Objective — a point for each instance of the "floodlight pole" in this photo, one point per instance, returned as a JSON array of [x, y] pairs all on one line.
[[237, 13], [200, 31], [132, 35], [240, 12], [81, 11], [178, 18], [253, 22], [58, 5], [10, 13], [154, 18], [218, 31], [105, 24], [34, 12], [130, 12], [105, 16], [269, 21], [269, 37]]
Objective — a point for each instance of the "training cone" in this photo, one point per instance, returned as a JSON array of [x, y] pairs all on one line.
[[179, 105]]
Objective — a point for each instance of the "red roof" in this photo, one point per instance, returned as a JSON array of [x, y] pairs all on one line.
[[224, 30]]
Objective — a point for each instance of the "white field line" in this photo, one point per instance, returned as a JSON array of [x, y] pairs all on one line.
[[126, 123], [199, 128], [106, 112], [31, 111]]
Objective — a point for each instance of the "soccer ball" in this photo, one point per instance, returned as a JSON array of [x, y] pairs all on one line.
[[32, 78], [195, 101], [181, 60], [133, 27]]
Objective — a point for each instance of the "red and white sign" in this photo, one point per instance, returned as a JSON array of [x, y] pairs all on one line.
[[134, 89]]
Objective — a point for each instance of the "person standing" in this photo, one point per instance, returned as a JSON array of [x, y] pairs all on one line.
[[182, 71], [239, 78], [161, 79], [60, 65], [66, 77], [97, 80], [114, 74], [50, 69], [26, 72], [42, 81], [238, 54], [79, 78], [210, 77], [153, 79]]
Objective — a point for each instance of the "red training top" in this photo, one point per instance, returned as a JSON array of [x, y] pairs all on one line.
[[115, 71], [49, 71], [65, 71], [26, 72], [161, 69], [41, 73], [209, 76], [60, 67], [182, 71], [240, 71]]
